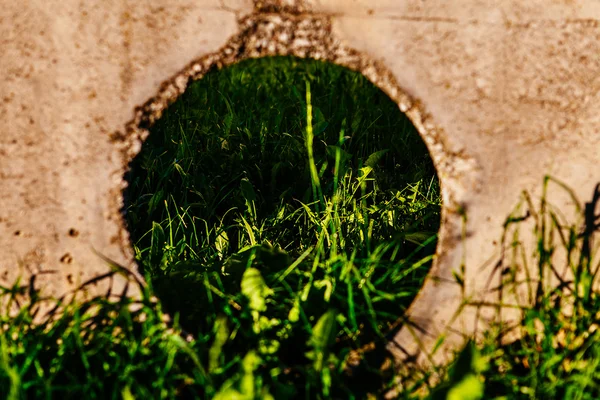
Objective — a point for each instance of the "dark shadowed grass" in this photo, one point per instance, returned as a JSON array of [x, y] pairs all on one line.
[[97, 349]]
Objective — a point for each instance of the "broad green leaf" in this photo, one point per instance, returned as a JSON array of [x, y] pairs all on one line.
[[294, 314], [222, 242], [375, 158], [469, 388], [255, 289], [324, 331], [221, 335], [157, 242], [323, 335], [249, 364], [126, 393], [155, 200], [246, 383], [417, 237], [247, 190], [319, 123]]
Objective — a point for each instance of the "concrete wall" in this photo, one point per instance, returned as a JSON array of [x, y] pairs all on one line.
[[502, 93]]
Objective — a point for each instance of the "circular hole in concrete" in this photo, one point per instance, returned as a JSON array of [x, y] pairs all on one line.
[[343, 216]]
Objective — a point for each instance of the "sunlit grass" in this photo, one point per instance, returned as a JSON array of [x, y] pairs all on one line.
[[308, 176]]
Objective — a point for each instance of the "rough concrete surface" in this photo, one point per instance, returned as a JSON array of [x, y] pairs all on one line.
[[501, 92]]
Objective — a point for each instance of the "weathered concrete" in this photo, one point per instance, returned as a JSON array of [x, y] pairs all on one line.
[[502, 95]]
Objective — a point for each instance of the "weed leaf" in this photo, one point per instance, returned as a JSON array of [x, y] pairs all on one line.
[[215, 352], [469, 388], [247, 190], [374, 158], [320, 124], [323, 335], [255, 289], [155, 200], [126, 393]]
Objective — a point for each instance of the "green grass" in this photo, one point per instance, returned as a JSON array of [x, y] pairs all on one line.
[[558, 356], [277, 193], [285, 213]]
